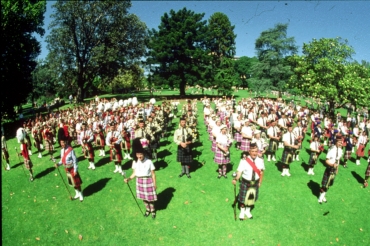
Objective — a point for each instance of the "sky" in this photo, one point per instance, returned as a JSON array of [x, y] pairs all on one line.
[[306, 20]]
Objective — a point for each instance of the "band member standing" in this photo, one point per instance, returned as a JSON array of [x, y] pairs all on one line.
[[87, 138], [332, 163], [289, 150], [299, 134], [48, 141], [4, 151], [316, 148], [362, 140], [247, 135], [37, 138], [260, 142], [114, 140], [145, 137], [282, 123], [146, 183], [251, 170], [183, 139], [262, 122], [237, 128], [69, 161], [222, 153], [273, 132], [99, 136], [27, 160], [348, 149], [126, 143]]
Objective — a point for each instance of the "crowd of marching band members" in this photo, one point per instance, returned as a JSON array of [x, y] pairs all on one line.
[[263, 123]]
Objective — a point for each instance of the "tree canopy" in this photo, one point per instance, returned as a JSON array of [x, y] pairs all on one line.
[[326, 71], [178, 49], [271, 72], [90, 39], [20, 20]]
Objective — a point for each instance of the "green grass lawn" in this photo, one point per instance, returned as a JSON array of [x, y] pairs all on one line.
[[194, 211]]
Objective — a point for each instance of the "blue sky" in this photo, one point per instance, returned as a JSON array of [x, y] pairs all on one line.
[[307, 20]]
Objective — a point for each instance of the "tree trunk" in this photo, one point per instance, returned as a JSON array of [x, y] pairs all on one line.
[[182, 88], [332, 109]]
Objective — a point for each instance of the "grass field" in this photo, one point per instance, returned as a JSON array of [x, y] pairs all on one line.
[[194, 211]]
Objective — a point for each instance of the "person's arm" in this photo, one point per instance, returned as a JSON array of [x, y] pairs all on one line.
[[238, 175], [132, 176], [154, 179]]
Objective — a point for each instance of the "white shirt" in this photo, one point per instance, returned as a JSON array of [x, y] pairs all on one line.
[[247, 170], [222, 139], [143, 168], [288, 138], [334, 154], [314, 145], [247, 130]]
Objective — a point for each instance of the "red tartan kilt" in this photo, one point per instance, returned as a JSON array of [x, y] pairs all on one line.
[[312, 126], [100, 143], [90, 149], [76, 178], [360, 150], [118, 157]]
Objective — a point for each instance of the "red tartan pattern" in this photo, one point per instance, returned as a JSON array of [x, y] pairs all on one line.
[[145, 189]]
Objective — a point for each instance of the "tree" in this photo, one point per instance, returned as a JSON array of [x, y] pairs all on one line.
[[272, 71], [325, 71], [178, 49], [221, 43], [20, 20], [91, 39], [43, 82], [243, 69]]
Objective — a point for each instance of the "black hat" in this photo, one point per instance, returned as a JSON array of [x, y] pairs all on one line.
[[137, 147], [113, 123]]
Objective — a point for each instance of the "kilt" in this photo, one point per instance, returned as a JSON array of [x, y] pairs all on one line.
[[154, 144], [145, 189], [28, 164], [287, 157], [48, 145], [328, 177], [360, 150], [272, 146], [211, 136], [214, 146], [74, 180], [132, 133], [244, 187], [123, 145], [5, 153], [99, 139], [367, 172], [184, 154], [347, 154], [238, 137], [313, 161], [220, 158], [117, 155], [245, 144], [88, 148]]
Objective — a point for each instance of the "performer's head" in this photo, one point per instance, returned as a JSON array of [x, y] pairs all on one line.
[[182, 122], [253, 150], [257, 134], [223, 129], [339, 141], [137, 149], [63, 143]]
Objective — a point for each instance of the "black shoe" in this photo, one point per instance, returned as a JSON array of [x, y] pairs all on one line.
[[31, 179], [182, 174], [345, 166], [147, 213], [219, 176], [188, 176], [225, 176], [153, 215]]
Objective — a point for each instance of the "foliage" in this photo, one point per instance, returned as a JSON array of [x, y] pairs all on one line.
[[272, 71], [94, 38], [243, 69], [324, 71], [130, 78], [20, 20], [177, 49]]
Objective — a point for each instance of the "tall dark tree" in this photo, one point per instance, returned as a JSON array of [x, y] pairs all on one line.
[[243, 69], [221, 38], [94, 38], [273, 47], [177, 49], [20, 20]]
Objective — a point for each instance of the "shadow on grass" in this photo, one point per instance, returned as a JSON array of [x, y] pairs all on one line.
[[164, 153], [103, 161], [279, 166], [196, 165], [17, 165], [161, 164], [359, 179], [164, 198], [315, 188], [127, 165], [305, 166], [95, 187], [45, 172]]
